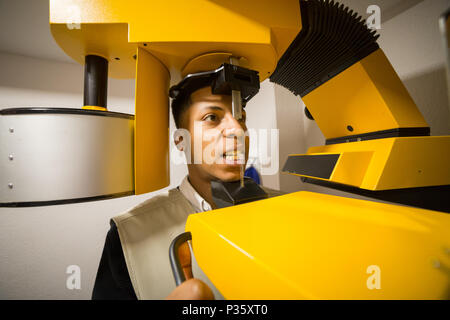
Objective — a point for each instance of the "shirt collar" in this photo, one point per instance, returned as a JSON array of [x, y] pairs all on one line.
[[196, 200]]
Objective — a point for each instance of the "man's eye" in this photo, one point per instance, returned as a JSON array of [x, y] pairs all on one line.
[[210, 117]]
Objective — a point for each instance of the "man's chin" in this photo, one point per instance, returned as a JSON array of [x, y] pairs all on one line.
[[225, 172], [229, 176]]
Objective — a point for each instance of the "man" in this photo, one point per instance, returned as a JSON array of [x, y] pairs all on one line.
[[135, 263]]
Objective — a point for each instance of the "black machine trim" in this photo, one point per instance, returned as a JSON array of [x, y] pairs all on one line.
[[320, 166], [332, 39], [16, 111], [431, 198], [64, 201], [392, 133]]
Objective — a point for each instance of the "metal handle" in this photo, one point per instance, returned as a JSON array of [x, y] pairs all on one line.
[[177, 270]]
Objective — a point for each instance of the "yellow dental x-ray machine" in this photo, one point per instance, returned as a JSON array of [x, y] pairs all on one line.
[[301, 245]]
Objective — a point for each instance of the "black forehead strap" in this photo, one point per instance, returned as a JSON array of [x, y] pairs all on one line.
[[192, 82], [222, 81]]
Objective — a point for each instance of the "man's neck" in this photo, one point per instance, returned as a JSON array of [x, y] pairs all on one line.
[[202, 185]]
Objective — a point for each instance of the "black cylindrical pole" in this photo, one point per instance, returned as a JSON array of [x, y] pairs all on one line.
[[95, 81]]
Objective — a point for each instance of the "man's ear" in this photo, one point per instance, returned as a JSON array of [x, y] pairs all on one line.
[[179, 136], [178, 142], [182, 140]]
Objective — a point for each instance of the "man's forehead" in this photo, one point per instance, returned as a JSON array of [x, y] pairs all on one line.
[[205, 95]]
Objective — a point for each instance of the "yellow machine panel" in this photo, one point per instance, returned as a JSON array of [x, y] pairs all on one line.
[[386, 164], [369, 96], [151, 138], [313, 246]]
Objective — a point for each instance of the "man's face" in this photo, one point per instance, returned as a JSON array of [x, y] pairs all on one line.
[[212, 126]]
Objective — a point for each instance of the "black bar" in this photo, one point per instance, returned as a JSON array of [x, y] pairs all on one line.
[[229, 309], [95, 81]]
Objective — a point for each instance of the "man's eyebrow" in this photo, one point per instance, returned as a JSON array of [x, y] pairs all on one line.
[[213, 108]]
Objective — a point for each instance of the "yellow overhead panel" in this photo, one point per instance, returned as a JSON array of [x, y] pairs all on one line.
[[368, 96], [176, 31], [151, 130], [106, 40], [260, 57], [307, 245]]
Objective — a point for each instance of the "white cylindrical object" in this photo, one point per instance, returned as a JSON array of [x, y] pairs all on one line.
[[60, 155]]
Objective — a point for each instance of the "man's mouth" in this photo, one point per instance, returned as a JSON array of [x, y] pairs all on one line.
[[234, 157]]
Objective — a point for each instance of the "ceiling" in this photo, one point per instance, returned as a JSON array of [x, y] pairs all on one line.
[[24, 27]]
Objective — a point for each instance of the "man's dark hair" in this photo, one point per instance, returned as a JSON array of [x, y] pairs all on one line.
[[183, 101], [179, 105]]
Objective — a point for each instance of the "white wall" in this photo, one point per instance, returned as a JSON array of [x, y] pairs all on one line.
[[292, 133], [413, 44], [261, 114]]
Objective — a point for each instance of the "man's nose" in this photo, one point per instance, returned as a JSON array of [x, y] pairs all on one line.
[[233, 128]]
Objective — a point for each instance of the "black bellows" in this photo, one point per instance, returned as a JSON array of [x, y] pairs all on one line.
[[332, 38]]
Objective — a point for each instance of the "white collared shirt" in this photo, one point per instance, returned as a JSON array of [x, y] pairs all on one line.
[[196, 200]]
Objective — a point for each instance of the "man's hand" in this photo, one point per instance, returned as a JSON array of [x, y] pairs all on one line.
[[191, 289]]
